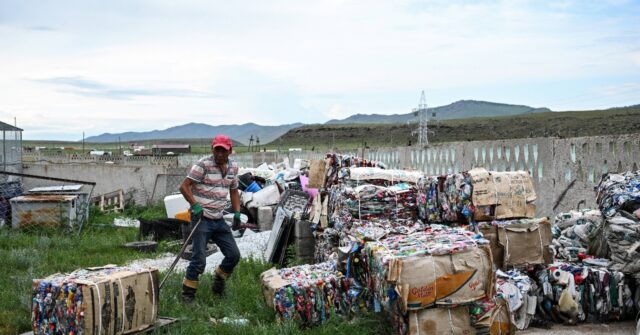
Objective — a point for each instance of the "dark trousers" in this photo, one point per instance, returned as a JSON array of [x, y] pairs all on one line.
[[219, 231]]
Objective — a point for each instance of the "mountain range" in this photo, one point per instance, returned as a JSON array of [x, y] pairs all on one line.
[[241, 133], [458, 110]]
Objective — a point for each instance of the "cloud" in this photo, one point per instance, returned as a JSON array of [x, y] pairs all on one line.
[[621, 90], [141, 65], [91, 88], [41, 28], [336, 112]]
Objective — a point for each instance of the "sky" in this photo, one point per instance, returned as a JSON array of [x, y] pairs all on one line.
[[68, 67]]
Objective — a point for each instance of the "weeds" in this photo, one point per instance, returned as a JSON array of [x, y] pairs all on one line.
[[28, 255]]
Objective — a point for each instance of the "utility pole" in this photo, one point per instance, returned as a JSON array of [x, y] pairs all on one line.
[[257, 143], [250, 142], [83, 142], [333, 140], [423, 118]]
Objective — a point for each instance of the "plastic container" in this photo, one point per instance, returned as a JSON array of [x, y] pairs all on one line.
[[253, 187], [175, 204], [184, 216]]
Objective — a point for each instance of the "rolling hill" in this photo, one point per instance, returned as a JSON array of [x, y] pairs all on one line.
[[613, 121], [457, 110], [239, 133]]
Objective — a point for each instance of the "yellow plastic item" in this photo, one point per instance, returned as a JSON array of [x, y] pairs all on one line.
[[184, 216], [567, 304]]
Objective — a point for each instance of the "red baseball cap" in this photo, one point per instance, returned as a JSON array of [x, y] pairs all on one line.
[[222, 141]]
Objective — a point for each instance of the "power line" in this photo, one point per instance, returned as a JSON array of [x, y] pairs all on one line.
[[423, 118]]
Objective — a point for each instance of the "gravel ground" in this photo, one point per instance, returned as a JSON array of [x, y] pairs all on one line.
[[251, 245], [615, 328]]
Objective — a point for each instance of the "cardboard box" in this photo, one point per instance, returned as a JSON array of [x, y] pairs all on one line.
[[451, 279], [105, 300], [527, 242], [271, 282], [502, 195], [440, 321], [317, 173], [490, 232], [498, 319]]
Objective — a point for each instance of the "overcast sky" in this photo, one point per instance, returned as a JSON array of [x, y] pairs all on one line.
[[115, 66]]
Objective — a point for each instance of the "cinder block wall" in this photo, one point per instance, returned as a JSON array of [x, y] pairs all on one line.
[[571, 164], [139, 181], [556, 165]]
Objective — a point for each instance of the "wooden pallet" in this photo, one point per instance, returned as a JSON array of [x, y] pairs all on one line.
[[162, 321], [110, 202]]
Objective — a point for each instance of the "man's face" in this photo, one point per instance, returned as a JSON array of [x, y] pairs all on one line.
[[220, 155]]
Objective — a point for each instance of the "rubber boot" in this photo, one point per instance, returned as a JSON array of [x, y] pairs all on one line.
[[189, 289], [219, 279]]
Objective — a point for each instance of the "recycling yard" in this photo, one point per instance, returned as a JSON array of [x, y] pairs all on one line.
[[465, 239]]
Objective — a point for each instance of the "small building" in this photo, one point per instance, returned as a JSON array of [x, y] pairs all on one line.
[[11, 149], [44, 211], [163, 149], [10, 161]]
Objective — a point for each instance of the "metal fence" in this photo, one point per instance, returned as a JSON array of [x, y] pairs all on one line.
[[11, 149], [33, 203], [64, 158]]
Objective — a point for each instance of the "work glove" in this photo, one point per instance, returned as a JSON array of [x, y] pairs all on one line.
[[236, 221], [196, 212]]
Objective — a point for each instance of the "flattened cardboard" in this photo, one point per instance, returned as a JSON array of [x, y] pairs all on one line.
[[422, 281], [119, 303], [317, 172], [498, 319], [271, 282], [508, 194], [440, 321], [135, 293], [526, 243], [490, 232]]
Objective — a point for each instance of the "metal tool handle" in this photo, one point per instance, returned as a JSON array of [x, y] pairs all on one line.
[[184, 246]]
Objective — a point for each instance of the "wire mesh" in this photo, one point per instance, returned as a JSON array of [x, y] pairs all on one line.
[[11, 151], [166, 184], [34, 203]]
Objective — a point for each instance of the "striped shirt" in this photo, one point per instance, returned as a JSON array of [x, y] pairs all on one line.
[[211, 186]]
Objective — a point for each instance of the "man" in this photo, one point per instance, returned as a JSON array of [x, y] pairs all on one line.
[[206, 188]]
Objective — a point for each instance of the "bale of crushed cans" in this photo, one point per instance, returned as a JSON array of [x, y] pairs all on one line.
[[311, 294], [102, 300], [476, 195]]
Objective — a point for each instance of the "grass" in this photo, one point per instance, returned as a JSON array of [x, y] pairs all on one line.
[[346, 137], [33, 254], [198, 145], [549, 124]]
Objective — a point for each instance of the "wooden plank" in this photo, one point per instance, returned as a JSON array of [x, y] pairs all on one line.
[[162, 321]]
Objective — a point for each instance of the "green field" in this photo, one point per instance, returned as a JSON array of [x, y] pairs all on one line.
[[198, 145], [35, 254], [551, 124], [350, 136]]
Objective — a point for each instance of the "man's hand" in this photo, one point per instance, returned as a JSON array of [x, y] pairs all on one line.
[[236, 221], [196, 210]]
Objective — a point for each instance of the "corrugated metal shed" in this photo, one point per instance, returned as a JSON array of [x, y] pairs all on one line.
[[8, 127], [44, 210], [60, 188]]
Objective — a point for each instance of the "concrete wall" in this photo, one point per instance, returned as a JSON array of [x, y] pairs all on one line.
[[556, 165], [137, 181]]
